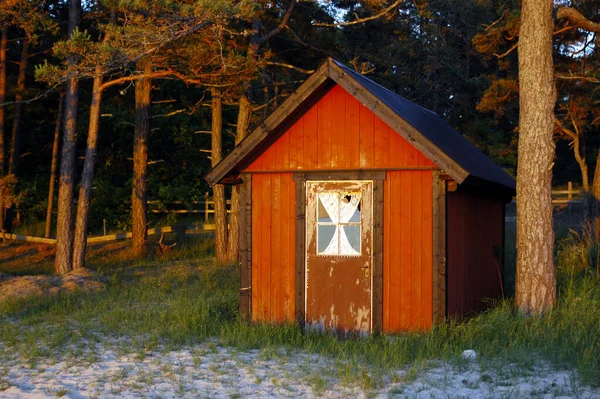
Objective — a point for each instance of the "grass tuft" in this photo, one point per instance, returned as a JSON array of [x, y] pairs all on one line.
[[183, 298]]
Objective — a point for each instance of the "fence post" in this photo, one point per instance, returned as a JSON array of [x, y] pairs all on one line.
[[570, 190]]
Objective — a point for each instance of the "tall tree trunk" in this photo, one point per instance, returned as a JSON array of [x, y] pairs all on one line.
[[218, 190], [87, 176], [535, 290], [54, 165], [15, 139], [583, 168], [139, 200], [3, 43], [64, 223], [233, 238]]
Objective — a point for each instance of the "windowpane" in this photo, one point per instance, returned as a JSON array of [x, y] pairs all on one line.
[[353, 235], [325, 238], [323, 215], [356, 216]]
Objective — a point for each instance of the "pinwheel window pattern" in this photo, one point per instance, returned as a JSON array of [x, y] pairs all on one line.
[[338, 223]]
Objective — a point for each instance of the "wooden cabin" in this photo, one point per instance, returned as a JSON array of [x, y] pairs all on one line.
[[363, 211]]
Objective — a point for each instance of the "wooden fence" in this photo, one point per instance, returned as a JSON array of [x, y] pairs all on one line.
[[568, 196], [572, 196], [207, 208], [177, 229]]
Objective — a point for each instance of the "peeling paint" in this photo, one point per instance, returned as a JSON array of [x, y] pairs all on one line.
[[338, 296], [363, 319]]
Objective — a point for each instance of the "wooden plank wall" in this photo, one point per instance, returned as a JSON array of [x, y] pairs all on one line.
[[273, 243], [407, 246], [474, 230], [339, 133]]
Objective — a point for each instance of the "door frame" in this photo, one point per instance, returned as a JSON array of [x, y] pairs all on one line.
[[377, 177]]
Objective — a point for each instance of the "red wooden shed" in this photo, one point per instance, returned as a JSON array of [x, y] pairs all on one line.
[[363, 211]]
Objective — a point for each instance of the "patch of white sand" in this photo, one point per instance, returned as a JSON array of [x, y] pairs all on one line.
[[221, 372]]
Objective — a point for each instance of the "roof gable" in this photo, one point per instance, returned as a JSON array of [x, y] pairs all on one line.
[[422, 128], [337, 133]]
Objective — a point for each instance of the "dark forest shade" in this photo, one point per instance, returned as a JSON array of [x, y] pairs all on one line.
[[336, 129]]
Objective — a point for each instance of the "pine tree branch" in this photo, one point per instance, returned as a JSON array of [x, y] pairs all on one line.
[[362, 20], [290, 66], [577, 19], [282, 24]]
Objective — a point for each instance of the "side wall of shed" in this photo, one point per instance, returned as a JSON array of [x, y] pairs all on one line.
[[474, 245]]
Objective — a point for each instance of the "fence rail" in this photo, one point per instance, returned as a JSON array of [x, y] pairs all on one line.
[[209, 207], [570, 194], [178, 229]]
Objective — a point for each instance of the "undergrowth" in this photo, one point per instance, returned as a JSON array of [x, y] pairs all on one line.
[[184, 298]]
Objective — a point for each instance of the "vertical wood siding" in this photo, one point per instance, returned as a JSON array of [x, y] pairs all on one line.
[[407, 251], [334, 134], [273, 242], [474, 233], [339, 133]]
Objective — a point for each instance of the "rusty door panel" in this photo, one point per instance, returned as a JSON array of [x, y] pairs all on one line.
[[339, 255]]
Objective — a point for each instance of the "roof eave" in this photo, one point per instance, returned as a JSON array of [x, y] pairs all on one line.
[[329, 70], [258, 135], [403, 128]]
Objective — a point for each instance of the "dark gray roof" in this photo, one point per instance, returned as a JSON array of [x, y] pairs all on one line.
[[438, 131], [424, 129]]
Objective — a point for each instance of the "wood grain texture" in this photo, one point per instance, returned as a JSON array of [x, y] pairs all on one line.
[[245, 246], [474, 251], [339, 132], [377, 288], [300, 258], [439, 256], [407, 251], [273, 248]]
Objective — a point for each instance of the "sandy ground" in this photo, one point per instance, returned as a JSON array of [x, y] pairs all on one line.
[[25, 286], [217, 372]]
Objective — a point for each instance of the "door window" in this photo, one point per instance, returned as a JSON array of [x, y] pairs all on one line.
[[339, 223]]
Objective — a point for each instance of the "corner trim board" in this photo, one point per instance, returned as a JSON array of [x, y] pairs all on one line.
[[245, 307], [377, 287], [439, 258], [300, 251]]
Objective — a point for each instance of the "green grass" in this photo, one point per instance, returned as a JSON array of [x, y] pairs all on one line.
[[183, 298]]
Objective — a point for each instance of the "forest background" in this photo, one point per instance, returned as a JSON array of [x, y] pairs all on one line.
[[162, 85]]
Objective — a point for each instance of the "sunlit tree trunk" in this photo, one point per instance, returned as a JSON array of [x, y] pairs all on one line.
[[218, 190], [139, 200], [64, 223], [233, 238], [15, 139], [535, 290], [53, 166], [87, 176]]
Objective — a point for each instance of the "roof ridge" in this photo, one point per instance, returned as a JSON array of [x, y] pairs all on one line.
[[341, 65]]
